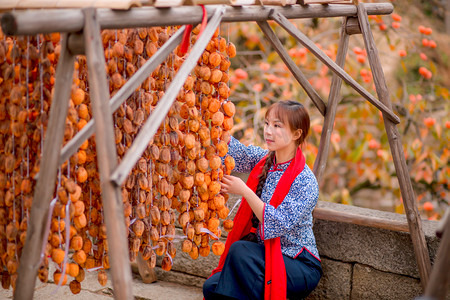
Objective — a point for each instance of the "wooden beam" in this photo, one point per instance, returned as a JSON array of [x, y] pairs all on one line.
[[123, 93], [333, 100], [31, 22], [157, 116], [45, 186], [311, 46], [328, 214], [298, 74], [409, 198], [107, 159]]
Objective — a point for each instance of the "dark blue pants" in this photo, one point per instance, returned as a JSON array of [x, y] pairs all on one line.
[[242, 276]]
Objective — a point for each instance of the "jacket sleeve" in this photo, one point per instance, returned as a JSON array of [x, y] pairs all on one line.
[[245, 157], [296, 208]]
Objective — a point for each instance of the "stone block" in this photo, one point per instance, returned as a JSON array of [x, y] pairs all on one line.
[[335, 282], [385, 250], [369, 283]]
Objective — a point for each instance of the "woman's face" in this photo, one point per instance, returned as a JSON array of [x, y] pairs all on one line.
[[278, 136]]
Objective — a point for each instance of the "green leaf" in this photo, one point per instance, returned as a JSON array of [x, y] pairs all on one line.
[[357, 153]]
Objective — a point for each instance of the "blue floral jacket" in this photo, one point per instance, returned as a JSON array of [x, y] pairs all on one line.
[[292, 220]]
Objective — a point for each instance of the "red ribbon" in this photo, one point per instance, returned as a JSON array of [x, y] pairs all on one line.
[[186, 41]]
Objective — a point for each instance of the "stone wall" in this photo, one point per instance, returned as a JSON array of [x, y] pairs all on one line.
[[359, 262]]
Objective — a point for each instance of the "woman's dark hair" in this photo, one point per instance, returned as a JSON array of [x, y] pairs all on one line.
[[295, 115]]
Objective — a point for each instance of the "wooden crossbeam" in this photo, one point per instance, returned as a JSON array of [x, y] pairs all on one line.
[[31, 22], [298, 74], [152, 124]]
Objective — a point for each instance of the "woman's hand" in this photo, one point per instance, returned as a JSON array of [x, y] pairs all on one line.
[[233, 185]]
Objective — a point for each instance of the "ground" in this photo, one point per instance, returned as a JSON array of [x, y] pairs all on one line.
[[92, 290]]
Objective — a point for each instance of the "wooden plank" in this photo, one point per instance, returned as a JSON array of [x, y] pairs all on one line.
[[206, 2], [31, 22], [278, 2], [168, 3], [409, 198], [438, 285], [333, 100], [295, 70], [45, 186], [328, 214], [107, 159], [152, 124], [311, 46], [124, 92], [306, 2]]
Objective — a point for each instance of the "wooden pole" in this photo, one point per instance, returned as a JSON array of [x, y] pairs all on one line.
[[438, 284], [333, 100], [409, 198], [301, 78], [45, 186], [148, 274], [31, 22], [152, 124], [107, 159], [311, 46], [124, 92]]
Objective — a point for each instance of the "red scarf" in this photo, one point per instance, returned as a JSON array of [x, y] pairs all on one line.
[[275, 273]]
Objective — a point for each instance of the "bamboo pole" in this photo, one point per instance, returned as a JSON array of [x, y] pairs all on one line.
[[333, 100], [107, 159], [311, 46], [409, 198], [298, 74], [45, 186], [152, 124], [31, 22], [123, 93]]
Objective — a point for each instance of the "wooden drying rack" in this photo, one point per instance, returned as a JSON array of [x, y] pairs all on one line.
[[81, 30]]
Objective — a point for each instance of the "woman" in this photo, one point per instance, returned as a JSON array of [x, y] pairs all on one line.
[[271, 252]]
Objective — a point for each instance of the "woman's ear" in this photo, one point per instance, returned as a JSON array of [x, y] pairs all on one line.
[[297, 134]]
